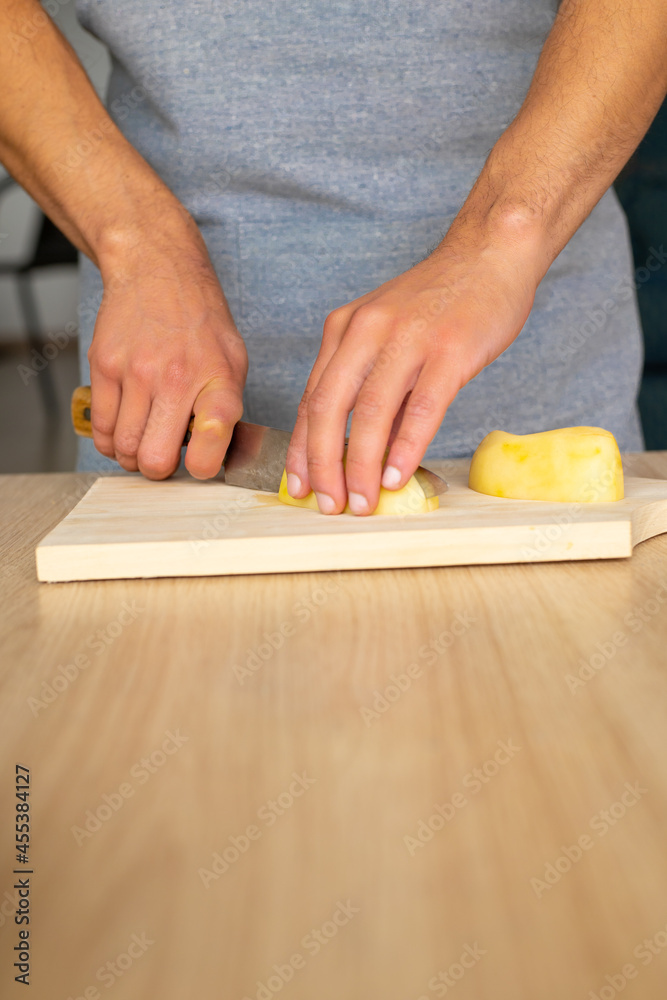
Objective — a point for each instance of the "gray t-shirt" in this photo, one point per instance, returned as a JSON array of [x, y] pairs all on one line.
[[324, 148]]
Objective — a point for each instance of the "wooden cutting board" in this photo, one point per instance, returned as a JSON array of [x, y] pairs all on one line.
[[127, 526]]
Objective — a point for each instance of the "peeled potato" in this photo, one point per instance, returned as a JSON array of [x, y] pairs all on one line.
[[576, 464], [411, 499]]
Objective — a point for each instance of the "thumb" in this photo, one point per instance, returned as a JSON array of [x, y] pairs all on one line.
[[217, 408]]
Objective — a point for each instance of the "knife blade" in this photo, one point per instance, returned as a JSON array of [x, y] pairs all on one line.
[[256, 455]]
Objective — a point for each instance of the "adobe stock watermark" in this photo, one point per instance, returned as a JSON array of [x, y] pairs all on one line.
[[218, 525], [31, 26], [139, 774], [39, 359], [113, 970], [600, 824], [473, 782], [311, 943], [645, 952], [622, 291], [302, 611], [61, 339], [402, 681], [268, 813], [445, 980], [91, 140], [97, 642], [548, 534], [635, 619], [86, 480], [9, 904]]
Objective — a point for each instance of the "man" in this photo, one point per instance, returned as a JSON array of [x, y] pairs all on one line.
[[311, 158]]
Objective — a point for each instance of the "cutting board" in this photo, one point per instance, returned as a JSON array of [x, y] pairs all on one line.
[[128, 526]]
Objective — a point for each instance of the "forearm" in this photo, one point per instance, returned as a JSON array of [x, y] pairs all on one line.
[[600, 80], [108, 200]]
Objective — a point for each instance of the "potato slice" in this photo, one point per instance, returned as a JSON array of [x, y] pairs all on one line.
[[411, 499], [576, 464]]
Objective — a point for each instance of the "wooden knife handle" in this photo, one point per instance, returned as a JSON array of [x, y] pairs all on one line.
[[81, 414]]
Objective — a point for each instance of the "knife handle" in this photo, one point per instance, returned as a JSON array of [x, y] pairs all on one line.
[[81, 414]]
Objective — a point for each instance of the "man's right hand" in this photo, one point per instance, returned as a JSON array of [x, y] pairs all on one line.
[[165, 346]]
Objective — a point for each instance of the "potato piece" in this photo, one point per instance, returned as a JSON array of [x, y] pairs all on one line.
[[576, 464], [411, 499]]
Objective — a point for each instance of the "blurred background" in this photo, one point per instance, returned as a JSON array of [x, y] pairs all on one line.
[[39, 294]]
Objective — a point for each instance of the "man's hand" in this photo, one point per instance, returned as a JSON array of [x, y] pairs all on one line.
[[399, 355], [165, 346]]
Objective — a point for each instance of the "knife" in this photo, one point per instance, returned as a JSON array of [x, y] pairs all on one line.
[[256, 455]]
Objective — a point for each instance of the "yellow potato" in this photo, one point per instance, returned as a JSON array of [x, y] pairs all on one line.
[[576, 464], [411, 499]]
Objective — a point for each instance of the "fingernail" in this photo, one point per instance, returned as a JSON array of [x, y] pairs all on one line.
[[293, 485], [391, 477], [358, 503], [325, 503]]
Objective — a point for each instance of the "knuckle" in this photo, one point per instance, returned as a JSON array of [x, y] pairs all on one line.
[[302, 409], [294, 458], [126, 443], [317, 466], [371, 403], [235, 345], [216, 418], [102, 425], [108, 365], [162, 408], [234, 409], [368, 317], [420, 407], [407, 441], [334, 321], [355, 468], [319, 402], [329, 326], [226, 408], [232, 414]]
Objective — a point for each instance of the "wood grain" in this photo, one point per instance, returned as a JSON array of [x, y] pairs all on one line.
[[492, 647], [126, 527]]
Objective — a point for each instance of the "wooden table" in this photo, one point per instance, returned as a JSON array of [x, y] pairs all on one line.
[[391, 784]]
